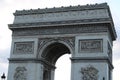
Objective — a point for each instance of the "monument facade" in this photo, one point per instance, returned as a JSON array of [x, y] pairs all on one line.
[[41, 36]]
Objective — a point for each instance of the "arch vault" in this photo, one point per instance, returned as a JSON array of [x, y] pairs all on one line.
[[50, 55], [41, 36]]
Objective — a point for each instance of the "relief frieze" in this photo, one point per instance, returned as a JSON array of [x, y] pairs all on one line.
[[91, 45], [43, 41], [24, 47], [70, 15], [20, 73], [89, 73], [60, 30]]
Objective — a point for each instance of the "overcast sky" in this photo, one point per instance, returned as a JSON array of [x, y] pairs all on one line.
[[8, 7]]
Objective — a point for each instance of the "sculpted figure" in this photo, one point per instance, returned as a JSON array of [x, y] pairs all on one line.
[[20, 73]]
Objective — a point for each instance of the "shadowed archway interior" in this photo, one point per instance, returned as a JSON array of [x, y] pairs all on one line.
[[51, 54], [54, 51]]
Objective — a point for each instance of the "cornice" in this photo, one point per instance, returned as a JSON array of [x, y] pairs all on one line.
[[57, 23], [101, 21], [46, 21], [61, 9], [31, 60], [93, 59]]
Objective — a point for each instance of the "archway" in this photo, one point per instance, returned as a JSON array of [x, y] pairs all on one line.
[[41, 36], [63, 68], [51, 54]]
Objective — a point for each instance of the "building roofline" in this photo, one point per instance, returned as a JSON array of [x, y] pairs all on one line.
[[61, 9]]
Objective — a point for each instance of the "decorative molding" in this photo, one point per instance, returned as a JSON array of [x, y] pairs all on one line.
[[42, 42], [66, 22], [69, 15], [24, 47], [90, 45], [68, 40], [20, 73], [95, 59], [31, 60], [61, 30], [109, 52], [61, 9], [89, 73]]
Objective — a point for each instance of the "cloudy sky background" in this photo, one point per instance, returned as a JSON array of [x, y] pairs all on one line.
[[8, 7]]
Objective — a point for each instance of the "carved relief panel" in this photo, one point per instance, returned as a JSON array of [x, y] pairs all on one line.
[[20, 73], [23, 47], [91, 45], [63, 16], [69, 40], [89, 73]]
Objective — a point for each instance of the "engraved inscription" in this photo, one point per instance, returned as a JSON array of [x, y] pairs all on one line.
[[24, 47], [89, 73], [90, 45]]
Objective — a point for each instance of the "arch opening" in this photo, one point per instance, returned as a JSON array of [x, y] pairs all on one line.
[[51, 54], [63, 68], [54, 51]]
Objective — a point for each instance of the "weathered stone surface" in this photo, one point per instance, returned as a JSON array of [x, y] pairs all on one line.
[[89, 73], [41, 36], [60, 9], [61, 30], [63, 16], [90, 46], [20, 73], [23, 47]]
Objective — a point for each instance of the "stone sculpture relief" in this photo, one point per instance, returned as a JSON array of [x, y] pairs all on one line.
[[71, 15], [24, 47], [90, 45], [67, 30], [20, 73], [89, 73], [69, 41]]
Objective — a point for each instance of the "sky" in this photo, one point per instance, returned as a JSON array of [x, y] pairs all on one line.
[[8, 7]]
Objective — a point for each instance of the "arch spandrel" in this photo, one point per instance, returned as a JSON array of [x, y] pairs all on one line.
[[45, 43]]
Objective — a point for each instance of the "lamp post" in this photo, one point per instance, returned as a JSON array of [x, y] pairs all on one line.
[[3, 76]]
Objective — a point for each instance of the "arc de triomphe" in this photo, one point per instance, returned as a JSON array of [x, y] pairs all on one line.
[[41, 36]]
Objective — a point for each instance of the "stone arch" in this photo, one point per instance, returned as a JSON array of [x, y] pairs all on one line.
[[54, 51], [50, 52], [67, 43]]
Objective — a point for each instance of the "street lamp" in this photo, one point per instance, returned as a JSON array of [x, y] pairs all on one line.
[[3, 76]]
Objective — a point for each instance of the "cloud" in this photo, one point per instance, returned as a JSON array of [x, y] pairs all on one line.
[[116, 50], [63, 67], [116, 70], [3, 68], [4, 55]]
